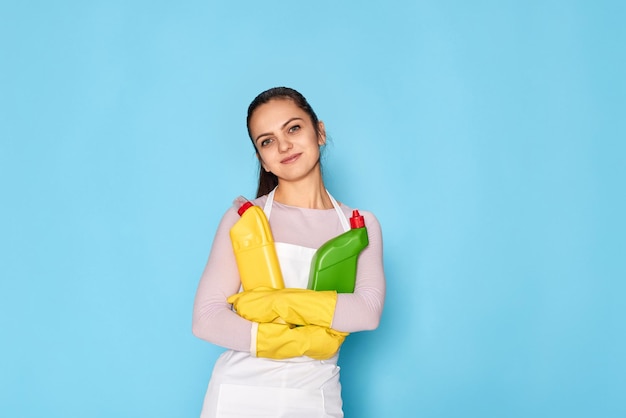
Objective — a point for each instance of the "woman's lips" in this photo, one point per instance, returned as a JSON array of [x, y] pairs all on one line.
[[291, 158]]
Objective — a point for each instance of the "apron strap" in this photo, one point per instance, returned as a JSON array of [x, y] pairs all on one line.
[[268, 204], [342, 218]]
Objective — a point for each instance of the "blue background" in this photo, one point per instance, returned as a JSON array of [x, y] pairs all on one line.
[[488, 137]]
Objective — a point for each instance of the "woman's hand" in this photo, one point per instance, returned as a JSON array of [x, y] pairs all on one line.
[[278, 341], [293, 306]]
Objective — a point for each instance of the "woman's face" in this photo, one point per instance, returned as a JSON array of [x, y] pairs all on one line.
[[286, 140]]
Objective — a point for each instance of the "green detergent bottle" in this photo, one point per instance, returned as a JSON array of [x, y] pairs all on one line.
[[334, 264]]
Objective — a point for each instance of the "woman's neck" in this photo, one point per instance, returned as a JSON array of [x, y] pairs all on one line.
[[310, 195]]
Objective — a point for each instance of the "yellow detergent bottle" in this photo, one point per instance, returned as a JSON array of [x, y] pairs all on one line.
[[333, 266], [253, 245]]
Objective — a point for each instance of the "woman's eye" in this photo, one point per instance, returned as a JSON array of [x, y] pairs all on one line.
[[294, 128], [266, 142]]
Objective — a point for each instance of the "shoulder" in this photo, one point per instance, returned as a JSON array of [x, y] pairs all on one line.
[[374, 231], [369, 217], [260, 201], [231, 216]]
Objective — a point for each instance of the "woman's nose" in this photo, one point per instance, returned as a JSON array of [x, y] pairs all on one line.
[[284, 144]]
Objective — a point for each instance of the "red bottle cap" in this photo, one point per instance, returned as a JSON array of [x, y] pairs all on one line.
[[357, 220], [244, 207]]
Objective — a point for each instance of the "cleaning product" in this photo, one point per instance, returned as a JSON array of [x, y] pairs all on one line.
[[253, 245], [333, 266]]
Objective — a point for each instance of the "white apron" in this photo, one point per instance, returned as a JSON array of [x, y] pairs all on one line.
[[245, 386]]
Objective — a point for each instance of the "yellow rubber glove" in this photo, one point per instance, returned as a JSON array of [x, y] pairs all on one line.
[[294, 306], [278, 341]]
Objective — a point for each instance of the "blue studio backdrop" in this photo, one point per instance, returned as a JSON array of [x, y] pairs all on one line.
[[488, 138]]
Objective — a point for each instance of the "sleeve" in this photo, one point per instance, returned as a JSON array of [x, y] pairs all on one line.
[[213, 318], [361, 310]]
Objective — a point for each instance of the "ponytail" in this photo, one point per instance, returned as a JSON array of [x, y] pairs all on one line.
[[267, 182]]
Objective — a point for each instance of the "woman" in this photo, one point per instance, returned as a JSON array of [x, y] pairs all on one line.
[[274, 369]]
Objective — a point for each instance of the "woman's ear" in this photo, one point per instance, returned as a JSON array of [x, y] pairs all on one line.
[[321, 140]]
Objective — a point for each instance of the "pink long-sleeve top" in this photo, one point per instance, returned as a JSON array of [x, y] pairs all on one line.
[[213, 318]]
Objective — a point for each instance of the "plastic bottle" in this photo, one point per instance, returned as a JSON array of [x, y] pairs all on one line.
[[334, 264], [253, 245]]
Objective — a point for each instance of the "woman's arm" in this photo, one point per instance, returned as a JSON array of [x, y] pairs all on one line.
[[361, 310], [213, 318]]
